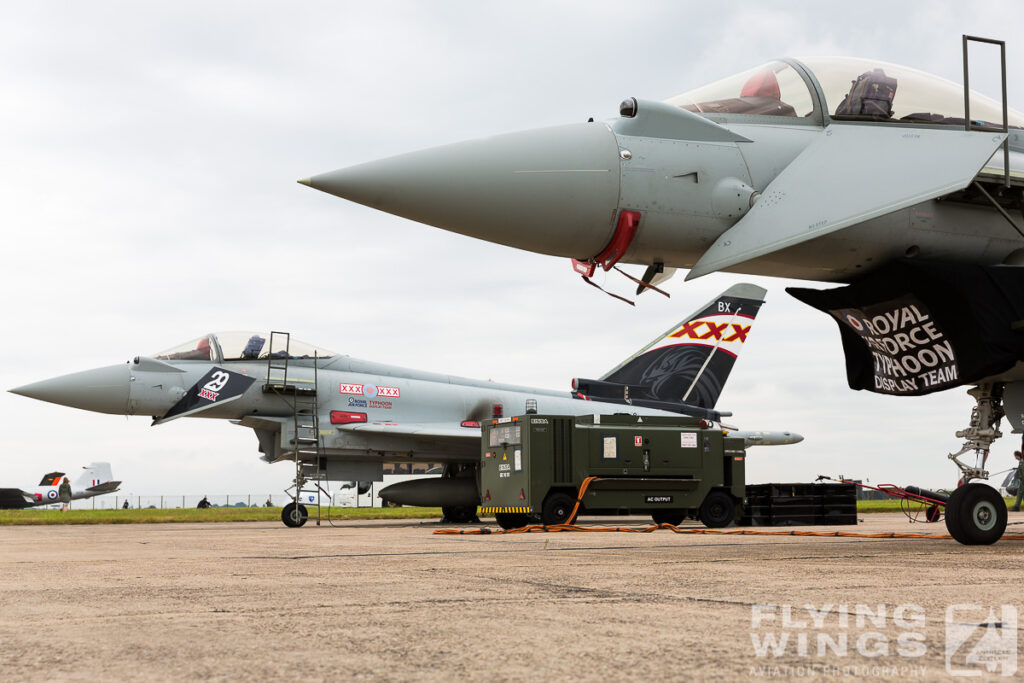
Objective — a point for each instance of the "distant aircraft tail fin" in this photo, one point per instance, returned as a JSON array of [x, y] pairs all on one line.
[[690, 362], [94, 474], [51, 479]]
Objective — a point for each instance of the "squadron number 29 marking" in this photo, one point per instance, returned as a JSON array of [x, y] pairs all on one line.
[[211, 389]]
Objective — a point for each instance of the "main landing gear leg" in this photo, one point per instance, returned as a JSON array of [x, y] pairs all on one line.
[[976, 513]]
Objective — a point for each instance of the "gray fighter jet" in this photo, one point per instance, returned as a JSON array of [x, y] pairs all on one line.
[[828, 169], [813, 169], [340, 418]]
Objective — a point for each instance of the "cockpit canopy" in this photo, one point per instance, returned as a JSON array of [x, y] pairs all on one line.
[[228, 346], [854, 89], [772, 89]]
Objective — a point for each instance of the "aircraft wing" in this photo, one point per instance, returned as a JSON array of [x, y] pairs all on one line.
[[15, 499], [850, 174], [105, 487], [994, 169], [442, 430]]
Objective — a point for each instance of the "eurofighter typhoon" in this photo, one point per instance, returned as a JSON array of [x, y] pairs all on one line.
[[341, 418]]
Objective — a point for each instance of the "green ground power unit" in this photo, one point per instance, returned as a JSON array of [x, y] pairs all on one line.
[[533, 468]]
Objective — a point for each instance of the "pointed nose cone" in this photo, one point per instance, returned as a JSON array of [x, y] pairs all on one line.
[[102, 390], [552, 190]]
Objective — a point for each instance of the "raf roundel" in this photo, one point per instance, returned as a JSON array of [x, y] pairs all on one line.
[[370, 390], [52, 495], [854, 322]]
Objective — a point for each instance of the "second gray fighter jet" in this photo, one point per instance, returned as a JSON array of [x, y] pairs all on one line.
[[341, 418]]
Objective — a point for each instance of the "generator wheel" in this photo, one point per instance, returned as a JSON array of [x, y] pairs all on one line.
[[976, 515], [717, 510], [511, 520], [673, 517], [557, 508], [294, 515], [459, 514]]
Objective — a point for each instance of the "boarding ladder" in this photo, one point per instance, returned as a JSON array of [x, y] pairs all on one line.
[[308, 449], [1003, 190]]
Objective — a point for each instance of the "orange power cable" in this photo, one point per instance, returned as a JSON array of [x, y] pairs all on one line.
[[542, 528], [569, 526]]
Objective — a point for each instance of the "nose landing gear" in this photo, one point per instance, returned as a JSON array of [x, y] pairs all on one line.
[[975, 512], [976, 515], [294, 515]]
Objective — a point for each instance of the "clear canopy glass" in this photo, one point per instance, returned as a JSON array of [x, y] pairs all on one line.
[[772, 89], [229, 346], [196, 349], [854, 89], [858, 89]]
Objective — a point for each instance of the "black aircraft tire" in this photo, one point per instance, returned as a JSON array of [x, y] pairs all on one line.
[[673, 517], [717, 510], [557, 508], [511, 520], [979, 514], [459, 514], [953, 516], [293, 516]]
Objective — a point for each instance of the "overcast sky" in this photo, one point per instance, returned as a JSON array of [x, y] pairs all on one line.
[[148, 195]]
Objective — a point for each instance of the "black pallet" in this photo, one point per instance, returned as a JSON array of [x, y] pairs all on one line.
[[800, 505]]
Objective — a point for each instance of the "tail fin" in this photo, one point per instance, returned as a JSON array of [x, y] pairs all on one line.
[[51, 479], [691, 361], [94, 474]]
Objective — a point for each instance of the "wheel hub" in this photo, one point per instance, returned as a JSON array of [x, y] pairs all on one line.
[[984, 516]]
